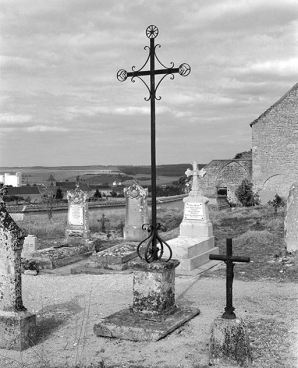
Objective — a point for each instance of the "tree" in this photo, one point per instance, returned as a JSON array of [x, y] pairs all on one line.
[[277, 203], [113, 194], [97, 194], [59, 194], [245, 194]]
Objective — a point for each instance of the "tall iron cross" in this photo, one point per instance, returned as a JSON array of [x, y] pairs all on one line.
[[229, 259], [184, 70]]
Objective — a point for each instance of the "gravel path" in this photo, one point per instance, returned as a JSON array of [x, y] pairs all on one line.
[[67, 307]]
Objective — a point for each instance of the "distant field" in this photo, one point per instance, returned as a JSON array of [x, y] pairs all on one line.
[[166, 174]]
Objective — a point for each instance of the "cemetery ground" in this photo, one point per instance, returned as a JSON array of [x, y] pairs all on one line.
[[264, 294]]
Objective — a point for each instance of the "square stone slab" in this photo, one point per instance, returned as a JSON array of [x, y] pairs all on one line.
[[136, 326]]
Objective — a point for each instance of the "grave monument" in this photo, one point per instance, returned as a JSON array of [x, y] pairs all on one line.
[[17, 325], [196, 240], [136, 214], [78, 216], [154, 313]]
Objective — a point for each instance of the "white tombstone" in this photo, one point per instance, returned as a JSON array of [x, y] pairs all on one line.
[[29, 246], [196, 240]]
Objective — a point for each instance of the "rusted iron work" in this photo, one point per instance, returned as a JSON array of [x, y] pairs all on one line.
[[229, 259], [184, 70], [151, 252]]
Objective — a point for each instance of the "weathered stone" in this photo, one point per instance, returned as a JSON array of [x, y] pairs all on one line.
[[229, 341], [130, 325], [17, 326], [291, 220], [154, 286], [116, 257], [136, 212], [154, 313]]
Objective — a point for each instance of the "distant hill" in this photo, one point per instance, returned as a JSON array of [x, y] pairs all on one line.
[[161, 170]]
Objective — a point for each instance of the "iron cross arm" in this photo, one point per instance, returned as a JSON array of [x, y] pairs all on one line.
[[219, 257], [148, 72]]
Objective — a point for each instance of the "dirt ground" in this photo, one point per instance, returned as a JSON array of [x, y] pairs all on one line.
[[68, 306]]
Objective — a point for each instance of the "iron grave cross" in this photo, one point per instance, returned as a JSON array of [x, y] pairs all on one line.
[[152, 253], [229, 259]]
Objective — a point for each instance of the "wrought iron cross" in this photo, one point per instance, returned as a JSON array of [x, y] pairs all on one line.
[[152, 252], [229, 259]]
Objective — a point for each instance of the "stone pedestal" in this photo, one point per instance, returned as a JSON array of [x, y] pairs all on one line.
[[17, 330], [154, 313], [229, 342]]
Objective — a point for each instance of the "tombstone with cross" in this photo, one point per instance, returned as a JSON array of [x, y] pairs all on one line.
[[196, 222]]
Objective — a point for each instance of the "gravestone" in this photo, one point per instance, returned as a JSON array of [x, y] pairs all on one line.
[[291, 220], [136, 212], [154, 313], [196, 240], [29, 246], [17, 325], [78, 216]]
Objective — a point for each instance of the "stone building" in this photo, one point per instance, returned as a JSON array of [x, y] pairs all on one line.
[[275, 147], [222, 177]]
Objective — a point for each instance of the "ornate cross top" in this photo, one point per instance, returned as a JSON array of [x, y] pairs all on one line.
[[195, 189], [152, 253], [229, 259]]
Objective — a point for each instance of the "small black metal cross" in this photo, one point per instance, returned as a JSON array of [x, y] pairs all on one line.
[[229, 259], [152, 252]]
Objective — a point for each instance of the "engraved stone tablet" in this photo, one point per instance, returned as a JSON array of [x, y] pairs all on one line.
[[193, 211], [75, 215]]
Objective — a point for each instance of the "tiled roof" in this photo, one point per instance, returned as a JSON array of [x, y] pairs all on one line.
[[25, 190]]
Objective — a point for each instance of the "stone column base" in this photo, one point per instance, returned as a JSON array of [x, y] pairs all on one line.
[[229, 341], [17, 330]]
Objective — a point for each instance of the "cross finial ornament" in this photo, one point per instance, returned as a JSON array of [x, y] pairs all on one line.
[[195, 172]]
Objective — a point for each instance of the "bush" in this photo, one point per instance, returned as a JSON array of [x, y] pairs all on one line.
[[245, 194]]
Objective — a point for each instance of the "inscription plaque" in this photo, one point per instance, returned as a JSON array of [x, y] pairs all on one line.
[[193, 211], [75, 215]]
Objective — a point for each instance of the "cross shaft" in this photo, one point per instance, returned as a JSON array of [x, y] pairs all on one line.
[[229, 259]]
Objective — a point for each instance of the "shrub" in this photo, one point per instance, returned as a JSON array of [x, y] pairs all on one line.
[[276, 203], [245, 194]]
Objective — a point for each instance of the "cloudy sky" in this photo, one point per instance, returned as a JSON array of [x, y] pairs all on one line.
[[61, 103]]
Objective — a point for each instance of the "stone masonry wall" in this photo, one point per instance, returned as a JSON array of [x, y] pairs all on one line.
[[225, 173], [275, 148]]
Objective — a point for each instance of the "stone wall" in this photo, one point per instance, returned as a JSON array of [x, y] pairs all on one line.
[[275, 147], [225, 174]]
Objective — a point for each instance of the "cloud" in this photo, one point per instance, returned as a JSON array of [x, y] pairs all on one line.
[[43, 128], [7, 118]]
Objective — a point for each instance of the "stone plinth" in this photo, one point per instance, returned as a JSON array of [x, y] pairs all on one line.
[[229, 342], [136, 214], [154, 286], [18, 330], [154, 313]]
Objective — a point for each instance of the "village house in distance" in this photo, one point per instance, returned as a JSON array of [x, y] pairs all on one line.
[[275, 147]]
